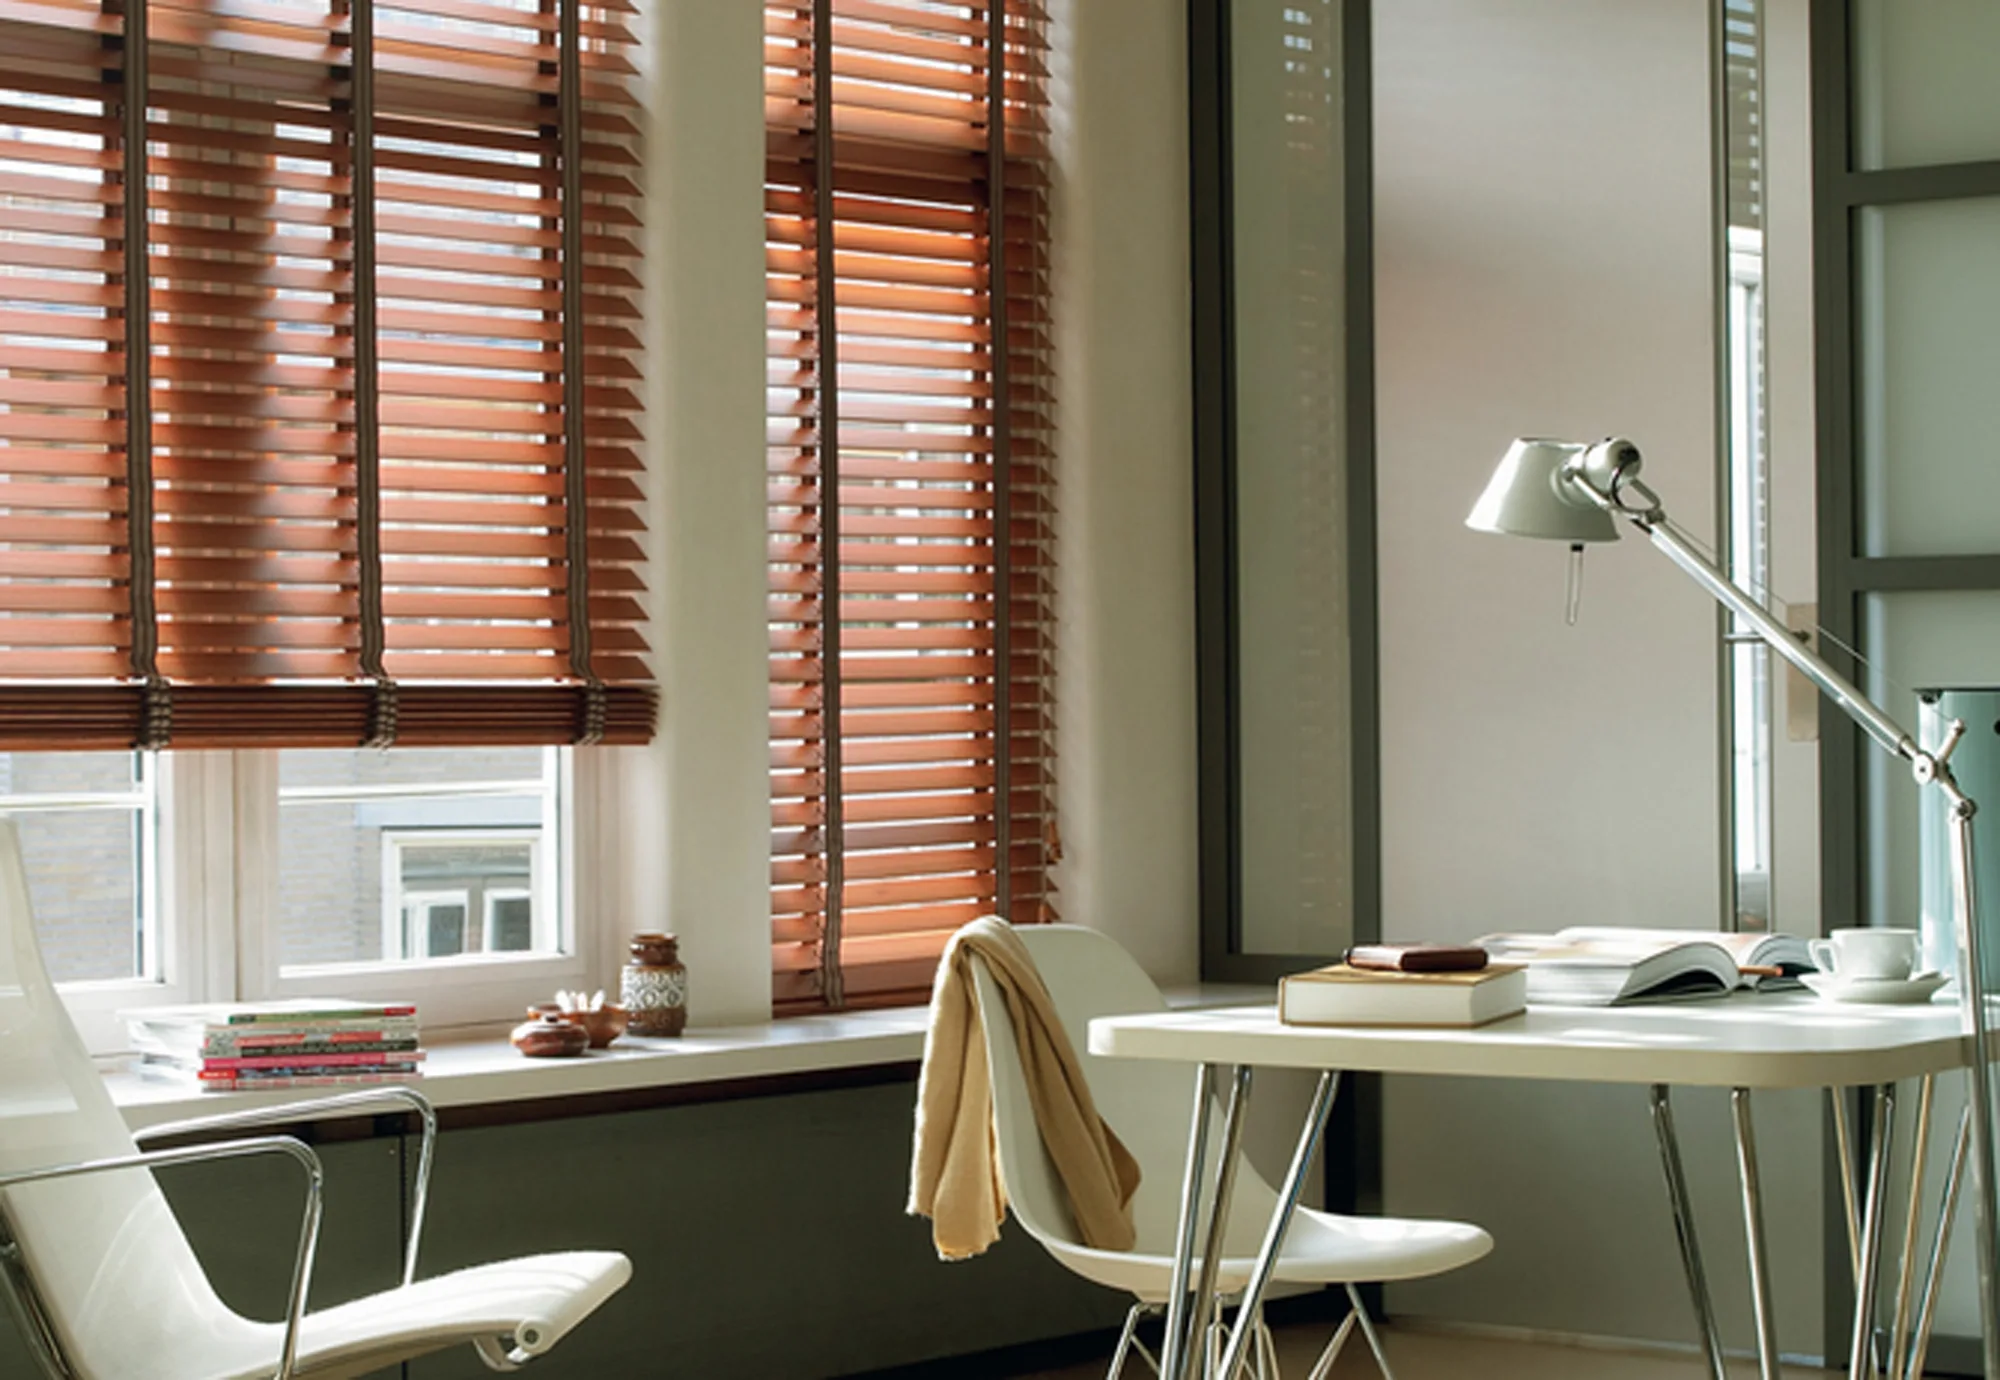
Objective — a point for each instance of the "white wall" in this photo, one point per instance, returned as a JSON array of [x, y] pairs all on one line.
[[694, 806], [1543, 268], [1125, 534]]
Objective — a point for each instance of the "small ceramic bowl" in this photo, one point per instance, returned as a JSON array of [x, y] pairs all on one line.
[[548, 1037], [603, 1025]]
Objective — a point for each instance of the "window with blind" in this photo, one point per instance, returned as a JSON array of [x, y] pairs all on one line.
[[318, 417], [911, 495]]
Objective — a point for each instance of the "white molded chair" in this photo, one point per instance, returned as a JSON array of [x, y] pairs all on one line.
[[104, 1283], [1148, 1104]]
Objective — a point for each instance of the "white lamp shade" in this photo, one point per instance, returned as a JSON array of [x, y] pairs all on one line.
[[1527, 497]]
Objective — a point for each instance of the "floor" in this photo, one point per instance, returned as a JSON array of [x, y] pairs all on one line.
[[1424, 1355]]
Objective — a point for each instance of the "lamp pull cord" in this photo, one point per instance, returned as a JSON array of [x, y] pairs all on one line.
[[1574, 595]]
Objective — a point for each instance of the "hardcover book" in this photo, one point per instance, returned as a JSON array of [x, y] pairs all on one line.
[[1343, 995]]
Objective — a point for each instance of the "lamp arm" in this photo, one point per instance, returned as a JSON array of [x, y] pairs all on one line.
[[1810, 664], [1929, 769]]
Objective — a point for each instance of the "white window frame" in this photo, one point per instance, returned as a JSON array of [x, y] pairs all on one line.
[[465, 990], [407, 927], [541, 892], [214, 893], [179, 952]]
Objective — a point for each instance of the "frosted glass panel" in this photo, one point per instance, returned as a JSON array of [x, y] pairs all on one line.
[[1928, 317], [1291, 519], [1921, 642], [1924, 82]]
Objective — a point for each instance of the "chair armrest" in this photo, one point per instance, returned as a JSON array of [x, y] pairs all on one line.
[[339, 1104], [302, 1264]]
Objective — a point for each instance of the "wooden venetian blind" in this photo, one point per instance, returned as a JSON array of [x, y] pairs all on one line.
[[910, 486], [316, 340]]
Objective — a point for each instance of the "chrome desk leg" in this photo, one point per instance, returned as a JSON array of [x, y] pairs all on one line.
[[1753, 1232], [1920, 1340], [1281, 1219], [1844, 1142], [1860, 1356], [1912, 1221], [1174, 1359], [1684, 1232], [1218, 1207]]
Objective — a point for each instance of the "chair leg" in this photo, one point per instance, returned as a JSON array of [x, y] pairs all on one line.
[[1324, 1364], [1267, 1350], [1128, 1342], [1360, 1314]]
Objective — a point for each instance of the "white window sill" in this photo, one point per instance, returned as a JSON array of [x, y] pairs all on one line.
[[487, 1071]]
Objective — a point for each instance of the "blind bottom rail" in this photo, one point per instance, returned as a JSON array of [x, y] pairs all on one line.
[[111, 717]]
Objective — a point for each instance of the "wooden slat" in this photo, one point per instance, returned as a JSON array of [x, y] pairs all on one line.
[[916, 495]]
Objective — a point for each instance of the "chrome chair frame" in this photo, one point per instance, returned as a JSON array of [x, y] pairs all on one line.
[[26, 1304]]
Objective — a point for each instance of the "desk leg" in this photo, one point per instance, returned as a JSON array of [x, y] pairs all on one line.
[[1218, 1208], [1860, 1356], [1173, 1350], [1920, 1332], [1906, 1278], [1684, 1232], [1281, 1221], [1753, 1231]]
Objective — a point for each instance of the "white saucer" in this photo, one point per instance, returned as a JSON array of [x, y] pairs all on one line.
[[1875, 991]]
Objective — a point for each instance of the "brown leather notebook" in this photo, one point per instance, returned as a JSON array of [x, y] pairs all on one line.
[[1418, 958]]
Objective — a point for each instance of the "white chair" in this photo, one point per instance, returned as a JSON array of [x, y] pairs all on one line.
[[102, 1280], [1148, 1103]]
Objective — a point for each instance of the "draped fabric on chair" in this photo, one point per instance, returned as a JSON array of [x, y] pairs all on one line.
[[318, 364], [911, 486]]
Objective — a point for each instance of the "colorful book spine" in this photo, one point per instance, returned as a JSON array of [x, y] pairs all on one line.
[[356, 1040], [344, 1059], [275, 1082]]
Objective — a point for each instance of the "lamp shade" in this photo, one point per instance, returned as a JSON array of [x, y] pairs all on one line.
[[1527, 497]]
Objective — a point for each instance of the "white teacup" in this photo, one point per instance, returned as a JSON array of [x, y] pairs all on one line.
[[1882, 954]]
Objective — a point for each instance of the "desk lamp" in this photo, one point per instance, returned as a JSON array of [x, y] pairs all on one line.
[[1571, 492]]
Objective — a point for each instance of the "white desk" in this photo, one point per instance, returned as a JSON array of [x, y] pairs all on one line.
[[1743, 1042]]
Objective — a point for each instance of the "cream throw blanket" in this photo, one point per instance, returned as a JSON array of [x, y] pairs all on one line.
[[955, 1175]]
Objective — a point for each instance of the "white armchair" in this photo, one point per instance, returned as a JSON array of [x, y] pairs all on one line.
[[102, 1280]]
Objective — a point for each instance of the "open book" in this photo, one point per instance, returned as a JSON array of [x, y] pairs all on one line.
[[1589, 965]]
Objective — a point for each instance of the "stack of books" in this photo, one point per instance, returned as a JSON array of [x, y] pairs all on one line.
[[308, 1043]]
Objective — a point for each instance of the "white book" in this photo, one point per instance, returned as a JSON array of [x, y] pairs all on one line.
[[1600, 965], [1341, 995]]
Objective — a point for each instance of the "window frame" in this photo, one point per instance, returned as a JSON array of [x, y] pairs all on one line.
[[1225, 955], [188, 963], [548, 925], [466, 990], [217, 876]]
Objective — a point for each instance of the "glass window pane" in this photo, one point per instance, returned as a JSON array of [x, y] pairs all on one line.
[[1923, 82], [340, 767], [1291, 476], [67, 773], [1943, 641], [409, 856], [1928, 315], [83, 881]]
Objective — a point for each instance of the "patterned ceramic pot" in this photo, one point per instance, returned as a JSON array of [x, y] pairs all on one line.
[[654, 990]]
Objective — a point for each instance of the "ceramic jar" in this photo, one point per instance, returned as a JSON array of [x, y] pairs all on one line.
[[655, 986]]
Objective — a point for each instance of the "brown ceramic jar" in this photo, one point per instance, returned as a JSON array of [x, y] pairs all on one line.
[[654, 990]]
